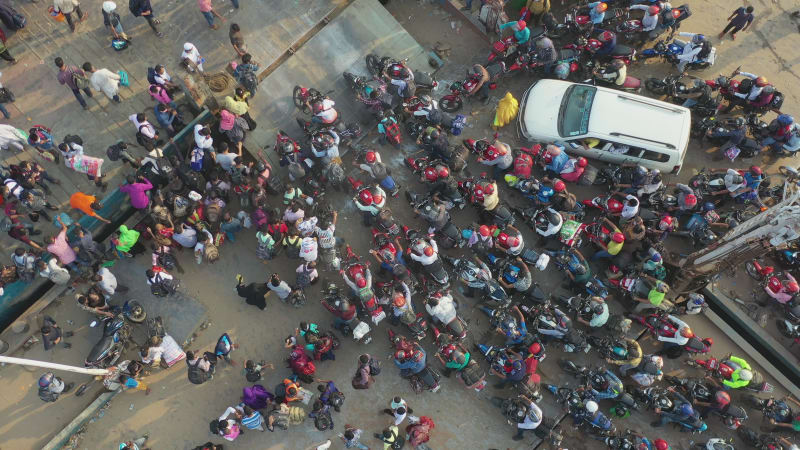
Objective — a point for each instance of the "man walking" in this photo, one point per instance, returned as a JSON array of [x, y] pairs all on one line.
[[67, 7], [103, 80], [75, 79], [209, 13], [740, 20], [142, 8]]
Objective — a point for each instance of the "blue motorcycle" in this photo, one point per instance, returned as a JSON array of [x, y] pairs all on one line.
[[671, 51]]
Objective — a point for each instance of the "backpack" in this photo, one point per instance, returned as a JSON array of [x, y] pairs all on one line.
[[705, 51], [337, 399], [252, 375], [198, 376], [322, 421], [151, 75], [81, 82], [213, 212], [113, 151], [19, 20], [667, 20], [46, 395], [379, 171], [73, 139], [213, 426], [237, 177], [143, 140], [522, 165], [248, 79], [374, 366]]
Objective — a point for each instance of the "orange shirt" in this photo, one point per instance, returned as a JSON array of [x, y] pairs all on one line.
[[83, 202]]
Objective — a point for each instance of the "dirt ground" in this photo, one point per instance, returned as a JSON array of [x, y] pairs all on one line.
[[176, 413]]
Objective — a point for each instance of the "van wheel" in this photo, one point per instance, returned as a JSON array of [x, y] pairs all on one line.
[[588, 176]]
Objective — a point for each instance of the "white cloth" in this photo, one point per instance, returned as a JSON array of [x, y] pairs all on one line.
[[159, 277], [10, 138], [55, 273], [192, 55], [678, 338], [106, 81], [202, 142], [628, 212], [283, 289], [755, 91], [109, 282], [144, 127], [529, 423], [648, 22], [162, 78], [444, 311], [690, 50], [328, 114]]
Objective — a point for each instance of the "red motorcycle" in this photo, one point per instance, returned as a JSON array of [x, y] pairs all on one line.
[[304, 96], [473, 376], [503, 48], [658, 324], [722, 370], [607, 203], [588, 47], [355, 270], [728, 86], [453, 101], [385, 246]]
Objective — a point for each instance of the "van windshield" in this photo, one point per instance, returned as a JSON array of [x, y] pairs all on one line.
[[576, 106]]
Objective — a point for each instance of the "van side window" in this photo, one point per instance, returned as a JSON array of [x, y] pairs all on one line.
[[654, 156]]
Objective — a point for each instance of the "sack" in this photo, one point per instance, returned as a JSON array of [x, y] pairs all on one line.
[[19, 20], [196, 374], [123, 78], [151, 75], [46, 395], [374, 366], [73, 139], [81, 82]]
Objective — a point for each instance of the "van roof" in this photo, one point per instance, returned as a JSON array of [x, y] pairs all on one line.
[[639, 119]]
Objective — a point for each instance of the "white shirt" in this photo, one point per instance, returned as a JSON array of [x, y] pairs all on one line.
[[677, 339], [628, 212], [202, 142], [690, 50], [529, 424], [444, 311], [755, 91], [648, 22], [328, 114], [326, 238], [423, 258], [143, 127], [109, 282], [159, 277], [163, 78]]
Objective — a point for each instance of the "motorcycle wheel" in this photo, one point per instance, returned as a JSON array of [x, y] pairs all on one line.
[[350, 79], [655, 86], [373, 63], [450, 104], [751, 270], [299, 101]]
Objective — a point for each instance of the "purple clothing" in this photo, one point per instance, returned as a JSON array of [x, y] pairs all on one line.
[[139, 199], [65, 76], [256, 397]]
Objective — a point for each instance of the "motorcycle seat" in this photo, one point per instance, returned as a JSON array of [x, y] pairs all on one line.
[[622, 50], [631, 82], [100, 349], [567, 53]]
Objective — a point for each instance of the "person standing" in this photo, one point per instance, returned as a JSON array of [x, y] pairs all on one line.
[[103, 80], [137, 189], [191, 58], [87, 204], [146, 134], [107, 282], [51, 387], [209, 13], [53, 272], [72, 76], [113, 21], [363, 378], [61, 249], [52, 335], [4, 51], [5, 94], [739, 20], [142, 8], [237, 40], [67, 7]]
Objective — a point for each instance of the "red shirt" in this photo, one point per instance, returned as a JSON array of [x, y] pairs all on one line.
[[204, 5]]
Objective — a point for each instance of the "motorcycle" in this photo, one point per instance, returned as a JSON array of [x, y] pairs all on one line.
[[423, 81], [472, 375], [728, 86], [303, 96], [765, 441], [116, 335], [467, 270], [427, 378], [361, 331], [457, 328], [715, 131], [579, 24], [658, 397], [721, 370], [498, 358], [588, 47], [671, 86], [453, 101], [363, 87], [449, 235], [347, 132], [552, 323], [615, 389], [354, 268], [435, 269], [658, 324], [669, 52], [732, 415], [770, 279]]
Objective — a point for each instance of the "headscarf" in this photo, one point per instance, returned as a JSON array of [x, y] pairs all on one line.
[[109, 6], [226, 120], [190, 51], [127, 238]]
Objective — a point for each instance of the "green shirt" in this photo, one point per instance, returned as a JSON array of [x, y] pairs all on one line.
[[456, 366], [655, 297]]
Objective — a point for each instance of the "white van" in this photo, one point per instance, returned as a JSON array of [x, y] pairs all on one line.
[[619, 127]]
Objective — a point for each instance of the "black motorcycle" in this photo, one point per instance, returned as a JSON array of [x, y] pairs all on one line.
[[116, 335]]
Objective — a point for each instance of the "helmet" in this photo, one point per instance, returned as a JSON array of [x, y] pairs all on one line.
[[792, 287], [756, 171], [761, 81], [377, 197], [620, 351], [484, 231], [428, 251], [617, 64], [737, 179], [287, 148], [722, 398], [653, 10], [665, 223], [323, 140], [708, 206], [661, 444], [443, 171], [317, 107], [686, 409], [430, 174], [400, 355], [582, 162], [606, 36], [434, 135], [46, 379], [641, 170], [488, 189], [365, 197], [426, 99], [698, 38], [602, 7], [535, 349], [514, 242], [544, 43], [618, 237], [658, 361], [561, 71], [656, 257], [691, 199], [745, 375], [662, 287], [708, 342], [785, 119], [370, 157], [769, 89], [591, 406], [687, 332], [361, 282], [521, 25], [559, 186], [598, 308], [399, 299]]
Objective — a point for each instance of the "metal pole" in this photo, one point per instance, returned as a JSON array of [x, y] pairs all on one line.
[[49, 365]]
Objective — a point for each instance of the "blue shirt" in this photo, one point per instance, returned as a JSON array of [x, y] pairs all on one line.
[[596, 17], [544, 194], [523, 331], [521, 36], [164, 118], [558, 162], [752, 182]]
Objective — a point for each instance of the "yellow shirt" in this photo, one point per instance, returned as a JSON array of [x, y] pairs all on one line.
[[614, 247]]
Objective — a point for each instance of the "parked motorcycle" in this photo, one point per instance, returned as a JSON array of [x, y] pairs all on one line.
[[116, 335], [423, 81], [670, 51]]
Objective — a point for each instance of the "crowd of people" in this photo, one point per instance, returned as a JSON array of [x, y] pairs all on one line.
[[209, 195]]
